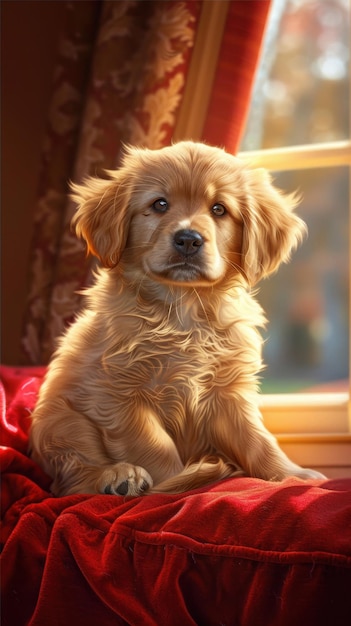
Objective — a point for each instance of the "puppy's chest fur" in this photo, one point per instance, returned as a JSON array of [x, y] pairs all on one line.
[[159, 367], [170, 379], [163, 362]]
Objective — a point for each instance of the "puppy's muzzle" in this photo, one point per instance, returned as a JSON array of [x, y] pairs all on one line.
[[187, 242]]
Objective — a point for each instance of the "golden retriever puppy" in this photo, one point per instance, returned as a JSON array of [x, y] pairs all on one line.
[[154, 387]]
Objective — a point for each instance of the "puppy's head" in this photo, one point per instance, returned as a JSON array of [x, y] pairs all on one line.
[[187, 214]]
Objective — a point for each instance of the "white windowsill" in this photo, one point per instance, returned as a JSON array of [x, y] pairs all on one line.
[[313, 429], [308, 413]]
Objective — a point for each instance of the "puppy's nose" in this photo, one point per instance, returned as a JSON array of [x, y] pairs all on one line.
[[187, 241]]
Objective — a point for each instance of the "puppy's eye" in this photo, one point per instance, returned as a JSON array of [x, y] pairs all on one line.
[[160, 205], [218, 209]]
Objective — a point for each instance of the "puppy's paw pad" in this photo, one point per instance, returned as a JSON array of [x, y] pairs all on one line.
[[121, 490], [125, 480]]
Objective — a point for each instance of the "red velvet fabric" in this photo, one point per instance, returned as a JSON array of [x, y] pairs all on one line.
[[241, 552]]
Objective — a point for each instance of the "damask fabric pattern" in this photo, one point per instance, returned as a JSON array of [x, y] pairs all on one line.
[[119, 78], [58, 154], [241, 551]]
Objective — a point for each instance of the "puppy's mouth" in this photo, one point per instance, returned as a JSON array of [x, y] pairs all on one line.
[[179, 270], [183, 270]]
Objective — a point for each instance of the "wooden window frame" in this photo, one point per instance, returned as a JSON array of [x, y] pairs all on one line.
[[314, 428]]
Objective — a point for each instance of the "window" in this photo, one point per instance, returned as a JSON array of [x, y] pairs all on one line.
[[299, 128]]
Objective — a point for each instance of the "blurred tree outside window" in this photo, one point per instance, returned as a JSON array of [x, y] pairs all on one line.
[[302, 97]]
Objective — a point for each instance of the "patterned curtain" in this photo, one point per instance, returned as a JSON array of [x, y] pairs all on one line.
[[120, 77]]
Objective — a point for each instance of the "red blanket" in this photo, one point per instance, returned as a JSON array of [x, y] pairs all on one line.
[[242, 552]]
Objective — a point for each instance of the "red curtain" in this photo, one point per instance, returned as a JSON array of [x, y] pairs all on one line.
[[120, 77], [237, 64]]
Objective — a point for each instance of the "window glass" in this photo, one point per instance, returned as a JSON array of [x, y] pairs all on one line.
[[306, 302], [301, 97], [301, 93]]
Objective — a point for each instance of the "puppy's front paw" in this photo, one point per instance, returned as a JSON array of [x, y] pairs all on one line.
[[124, 479]]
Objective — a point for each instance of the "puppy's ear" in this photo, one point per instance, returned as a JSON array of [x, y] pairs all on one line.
[[102, 217], [271, 229]]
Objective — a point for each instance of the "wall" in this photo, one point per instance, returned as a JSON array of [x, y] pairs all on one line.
[[29, 39]]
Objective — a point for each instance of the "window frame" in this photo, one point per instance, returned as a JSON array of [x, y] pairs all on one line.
[[307, 417]]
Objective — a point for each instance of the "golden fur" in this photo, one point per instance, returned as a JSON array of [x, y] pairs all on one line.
[[154, 387]]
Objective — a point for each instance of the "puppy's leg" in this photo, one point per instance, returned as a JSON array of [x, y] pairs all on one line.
[[146, 444], [83, 457], [115, 479], [70, 448], [240, 435], [73, 474]]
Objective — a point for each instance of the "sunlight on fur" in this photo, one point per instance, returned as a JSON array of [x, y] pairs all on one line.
[[154, 387]]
